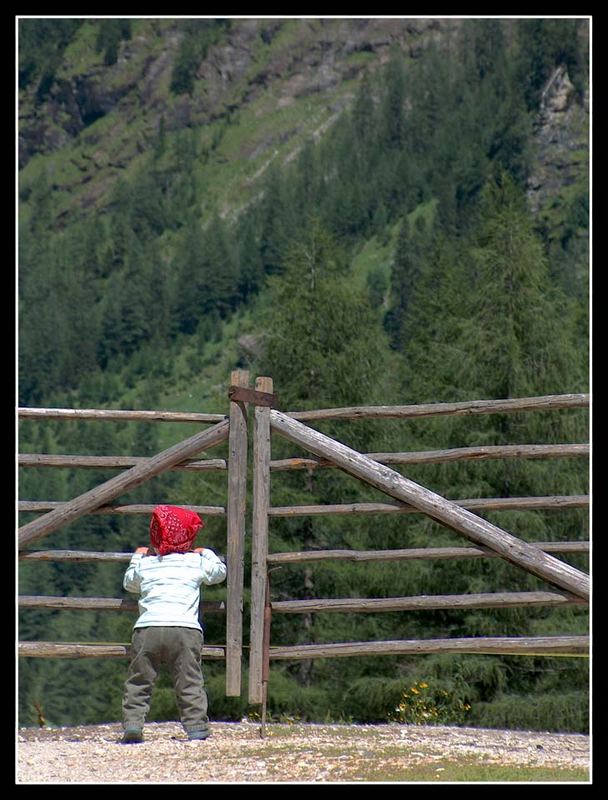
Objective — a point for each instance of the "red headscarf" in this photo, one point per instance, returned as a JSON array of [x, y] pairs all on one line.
[[173, 529]]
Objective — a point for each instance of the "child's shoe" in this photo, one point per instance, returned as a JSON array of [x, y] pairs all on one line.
[[132, 736], [199, 735]]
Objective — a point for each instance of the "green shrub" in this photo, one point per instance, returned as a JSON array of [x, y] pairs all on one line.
[[567, 712]]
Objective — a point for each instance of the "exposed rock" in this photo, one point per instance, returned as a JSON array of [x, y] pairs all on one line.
[[236, 70], [251, 345], [561, 140]]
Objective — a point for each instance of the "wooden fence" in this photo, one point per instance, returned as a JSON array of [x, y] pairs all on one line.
[[567, 584], [231, 428]]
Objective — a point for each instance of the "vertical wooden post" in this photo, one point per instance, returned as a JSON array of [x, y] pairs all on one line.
[[235, 553], [259, 541], [266, 655]]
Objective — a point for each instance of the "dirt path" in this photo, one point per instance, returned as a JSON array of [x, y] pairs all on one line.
[[289, 753]]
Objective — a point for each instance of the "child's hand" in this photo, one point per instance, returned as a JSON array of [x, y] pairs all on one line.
[[142, 550]]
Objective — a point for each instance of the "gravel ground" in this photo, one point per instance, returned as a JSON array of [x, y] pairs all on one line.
[[299, 753]]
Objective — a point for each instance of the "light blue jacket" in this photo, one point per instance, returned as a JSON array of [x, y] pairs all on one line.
[[170, 586]]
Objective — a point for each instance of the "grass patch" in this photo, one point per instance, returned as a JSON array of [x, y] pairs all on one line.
[[338, 753], [453, 771]]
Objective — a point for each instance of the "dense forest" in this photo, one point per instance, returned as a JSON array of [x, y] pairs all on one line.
[[404, 255]]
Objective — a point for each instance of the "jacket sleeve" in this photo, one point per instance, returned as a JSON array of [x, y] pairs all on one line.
[[132, 579], [213, 568]]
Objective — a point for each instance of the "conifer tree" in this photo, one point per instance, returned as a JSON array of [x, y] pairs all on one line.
[[250, 267], [324, 347], [188, 284], [276, 223], [220, 279]]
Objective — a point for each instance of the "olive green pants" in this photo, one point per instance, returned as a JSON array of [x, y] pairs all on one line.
[[180, 650]]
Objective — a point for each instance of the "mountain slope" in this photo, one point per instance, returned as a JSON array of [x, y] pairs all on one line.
[[262, 88]]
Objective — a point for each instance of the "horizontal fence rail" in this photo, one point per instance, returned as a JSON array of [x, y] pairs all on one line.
[[473, 504], [544, 403], [114, 462], [101, 603], [529, 451], [79, 555], [539, 645], [491, 645], [307, 556], [117, 415], [423, 602], [322, 555], [94, 650], [139, 508]]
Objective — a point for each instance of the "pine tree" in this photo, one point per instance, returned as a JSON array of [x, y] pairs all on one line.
[[323, 348], [393, 102], [405, 273], [250, 267], [189, 284], [276, 224], [485, 324], [129, 312], [323, 339], [525, 322]]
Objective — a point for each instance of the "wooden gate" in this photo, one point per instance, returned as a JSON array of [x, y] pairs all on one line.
[[231, 428], [568, 585]]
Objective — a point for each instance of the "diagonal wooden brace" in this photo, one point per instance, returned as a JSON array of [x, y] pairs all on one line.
[[87, 502], [527, 556]]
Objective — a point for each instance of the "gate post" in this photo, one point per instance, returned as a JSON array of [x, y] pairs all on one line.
[[259, 542], [235, 531]]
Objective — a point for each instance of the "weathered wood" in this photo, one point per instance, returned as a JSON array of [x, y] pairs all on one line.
[[114, 462], [140, 508], [86, 650], [89, 501], [472, 504], [118, 415], [548, 402], [414, 553], [266, 655], [494, 645], [102, 603], [528, 451], [259, 542], [424, 602], [320, 555], [527, 556], [532, 451], [76, 555], [72, 555], [388, 412], [235, 525]]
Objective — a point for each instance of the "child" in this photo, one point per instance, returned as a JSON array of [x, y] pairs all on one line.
[[168, 629]]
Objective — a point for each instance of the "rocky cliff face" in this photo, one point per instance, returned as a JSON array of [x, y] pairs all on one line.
[[96, 119], [292, 57], [561, 139], [558, 189], [107, 115]]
